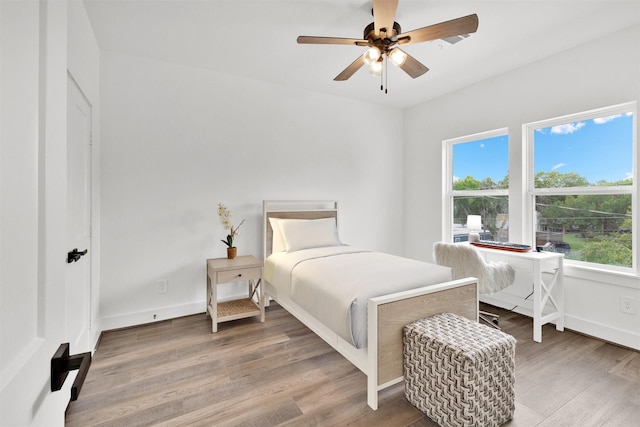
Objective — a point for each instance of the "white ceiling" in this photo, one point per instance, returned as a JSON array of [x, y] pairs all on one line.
[[257, 38]]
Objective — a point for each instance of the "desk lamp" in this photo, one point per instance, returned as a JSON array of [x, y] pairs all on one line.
[[474, 224]]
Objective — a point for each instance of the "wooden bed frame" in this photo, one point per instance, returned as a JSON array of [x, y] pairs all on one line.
[[382, 361]]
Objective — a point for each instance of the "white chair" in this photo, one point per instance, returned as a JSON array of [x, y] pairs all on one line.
[[466, 261]]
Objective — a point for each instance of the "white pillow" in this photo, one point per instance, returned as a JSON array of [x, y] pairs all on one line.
[[277, 241], [309, 233]]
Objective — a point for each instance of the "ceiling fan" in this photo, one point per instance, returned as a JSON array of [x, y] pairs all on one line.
[[384, 36]]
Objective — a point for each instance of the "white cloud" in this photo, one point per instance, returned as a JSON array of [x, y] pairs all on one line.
[[628, 177], [603, 120], [567, 129], [558, 166], [455, 178]]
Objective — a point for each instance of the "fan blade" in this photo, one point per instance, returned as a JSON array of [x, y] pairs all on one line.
[[384, 14], [330, 40], [350, 70], [412, 66], [455, 27]]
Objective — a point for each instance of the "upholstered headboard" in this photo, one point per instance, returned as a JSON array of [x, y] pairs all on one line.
[[296, 209]]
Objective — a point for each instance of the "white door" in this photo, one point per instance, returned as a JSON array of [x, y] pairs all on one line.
[[33, 205], [78, 283]]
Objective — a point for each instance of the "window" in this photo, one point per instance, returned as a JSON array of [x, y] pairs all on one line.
[[477, 183], [580, 182]]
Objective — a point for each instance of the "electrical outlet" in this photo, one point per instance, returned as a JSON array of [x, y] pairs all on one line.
[[628, 305], [163, 286]]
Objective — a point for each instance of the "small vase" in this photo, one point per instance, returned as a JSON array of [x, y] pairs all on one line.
[[231, 252]]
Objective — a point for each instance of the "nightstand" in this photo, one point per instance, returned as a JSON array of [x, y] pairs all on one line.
[[222, 270]]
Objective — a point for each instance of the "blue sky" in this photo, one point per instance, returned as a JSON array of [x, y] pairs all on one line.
[[599, 149], [482, 158]]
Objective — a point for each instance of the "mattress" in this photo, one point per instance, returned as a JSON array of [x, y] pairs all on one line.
[[334, 284]]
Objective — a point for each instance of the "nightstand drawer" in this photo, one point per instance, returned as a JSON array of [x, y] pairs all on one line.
[[239, 274]]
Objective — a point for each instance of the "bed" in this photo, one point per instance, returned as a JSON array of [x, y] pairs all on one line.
[[357, 300]]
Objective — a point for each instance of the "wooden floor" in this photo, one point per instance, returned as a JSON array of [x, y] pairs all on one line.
[[279, 373]]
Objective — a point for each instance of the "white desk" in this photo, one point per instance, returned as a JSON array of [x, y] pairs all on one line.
[[531, 269]]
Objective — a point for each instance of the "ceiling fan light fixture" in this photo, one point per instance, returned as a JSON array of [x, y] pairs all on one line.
[[371, 55], [375, 68], [397, 56]]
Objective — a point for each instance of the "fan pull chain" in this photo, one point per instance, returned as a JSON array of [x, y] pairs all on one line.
[[386, 72], [381, 76]]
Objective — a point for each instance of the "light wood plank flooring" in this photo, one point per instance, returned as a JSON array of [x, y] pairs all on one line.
[[177, 373]]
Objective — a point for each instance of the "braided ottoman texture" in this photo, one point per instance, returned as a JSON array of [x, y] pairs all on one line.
[[459, 372]]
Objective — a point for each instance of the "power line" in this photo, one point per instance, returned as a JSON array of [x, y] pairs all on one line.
[[618, 215]]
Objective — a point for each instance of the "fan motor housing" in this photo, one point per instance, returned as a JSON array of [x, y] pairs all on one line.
[[369, 32]]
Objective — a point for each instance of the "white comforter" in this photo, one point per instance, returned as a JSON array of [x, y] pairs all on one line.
[[333, 284]]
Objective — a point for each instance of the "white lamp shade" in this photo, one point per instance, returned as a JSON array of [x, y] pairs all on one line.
[[375, 68], [474, 222], [397, 56], [371, 55]]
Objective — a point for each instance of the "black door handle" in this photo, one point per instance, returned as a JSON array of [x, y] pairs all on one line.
[[75, 255], [62, 363]]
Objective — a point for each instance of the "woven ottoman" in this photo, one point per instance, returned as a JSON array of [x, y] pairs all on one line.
[[459, 372]]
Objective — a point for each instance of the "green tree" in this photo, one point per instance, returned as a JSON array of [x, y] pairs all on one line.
[[588, 213], [504, 182], [555, 179], [599, 213], [612, 251], [603, 220], [486, 206], [467, 183]]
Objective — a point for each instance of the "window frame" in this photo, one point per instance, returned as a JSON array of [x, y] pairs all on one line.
[[448, 193], [528, 178]]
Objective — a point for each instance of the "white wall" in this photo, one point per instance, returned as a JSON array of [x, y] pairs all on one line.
[[600, 73], [176, 141]]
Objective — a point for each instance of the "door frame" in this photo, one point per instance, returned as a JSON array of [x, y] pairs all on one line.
[[91, 341]]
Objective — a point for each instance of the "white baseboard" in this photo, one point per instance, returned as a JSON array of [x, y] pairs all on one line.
[[150, 316], [96, 334], [604, 332], [578, 324]]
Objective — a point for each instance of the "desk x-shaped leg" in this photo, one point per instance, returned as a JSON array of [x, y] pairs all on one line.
[[542, 295]]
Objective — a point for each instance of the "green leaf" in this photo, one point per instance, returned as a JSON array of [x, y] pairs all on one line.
[[229, 241]]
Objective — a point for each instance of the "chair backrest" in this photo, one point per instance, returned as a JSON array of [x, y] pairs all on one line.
[[466, 261]]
